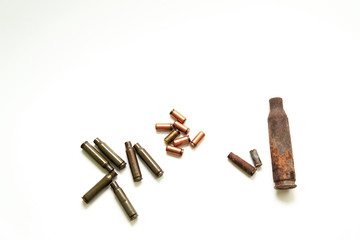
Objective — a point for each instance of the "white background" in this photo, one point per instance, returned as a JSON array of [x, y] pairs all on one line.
[[71, 71]]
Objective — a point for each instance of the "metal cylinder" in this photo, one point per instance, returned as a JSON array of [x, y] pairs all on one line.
[[150, 162], [169, 138], [133, 162], [181, 141], [181, 127], [242, 164], [178, 116], [86, 146], [163, 126], [280, 146], [103, 183], [124, 201], [255, 157], [110, 154], [197, 139], [174, 150]]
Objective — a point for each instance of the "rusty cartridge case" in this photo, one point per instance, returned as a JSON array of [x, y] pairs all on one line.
[[181, 127], [86, 146], [181, 141], [150, 162], [124, 201], [163, 126], [197, 139], [133, 162], [242, 164], [103, 183], [280, 146], [110, 154], [178, 116], [169, 138], [255, 157], [174, 150]]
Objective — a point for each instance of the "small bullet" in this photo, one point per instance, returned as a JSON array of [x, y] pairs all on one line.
[[181, 141], [255, 157], [103, 183], [133, 162], [242, 164], [181, 127], [150, 162], [178, 116], [110, 154], [163, 126], [124, 201], [86, 146], [197, 139], [169, 138], [174, 150]]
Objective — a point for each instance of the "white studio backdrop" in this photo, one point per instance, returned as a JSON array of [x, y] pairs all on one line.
[[71, 71]]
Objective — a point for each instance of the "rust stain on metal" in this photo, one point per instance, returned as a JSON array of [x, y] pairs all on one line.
[[249, 169]]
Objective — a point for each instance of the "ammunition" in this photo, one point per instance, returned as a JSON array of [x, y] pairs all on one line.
[[181, 141], [181, 127], [174, 150], [150, 162], [97, 156], [255, 157], [105, 181], [280, 146], [169, 138], [197, 139], [124, 201], [133, 162], [242, 164], [109, 153], [175, 114], [163, 126]]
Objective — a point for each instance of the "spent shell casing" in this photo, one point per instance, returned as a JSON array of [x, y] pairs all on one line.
[[255, 157], [242, 164], [197, 139], [174, 150], [150, 162], [110, 154], [124, 201], [181, 127], [169, 138], [133, 162], [181, 141], [178, 116], [103, 183], [163, 126], [86, 146]]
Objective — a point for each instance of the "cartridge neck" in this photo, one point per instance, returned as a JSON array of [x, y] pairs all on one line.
[[137, 147], [276, 103], [128, 145]]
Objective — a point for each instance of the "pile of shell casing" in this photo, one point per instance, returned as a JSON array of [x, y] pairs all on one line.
[[176, 129], [247, 167], [108, 179]]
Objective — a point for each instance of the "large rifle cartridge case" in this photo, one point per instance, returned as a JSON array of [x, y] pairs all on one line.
[[103, 183], [110, 154], [86, 146], [133, 162], [149, 161], [124, 201]]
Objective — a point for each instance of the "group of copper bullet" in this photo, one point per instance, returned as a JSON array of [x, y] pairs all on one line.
[[244, 165], [176, 129], [105, 156]]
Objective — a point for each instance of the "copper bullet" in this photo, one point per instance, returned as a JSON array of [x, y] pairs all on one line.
[[163, 126], [175, 114], [181, 127], [242, 164], [174, 150], [181, 141], [197, 139]]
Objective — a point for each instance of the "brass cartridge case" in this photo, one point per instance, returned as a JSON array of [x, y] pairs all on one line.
[[174, 150], [181, 141], [181, 127], [103, 183], [197, 139], [133, 162], [242, 164], [110, 154], [280, 146], [255, 157], [124, 201], [169, 138], [163, 126], [149, 161], [86, 146], [178, 116]]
